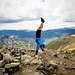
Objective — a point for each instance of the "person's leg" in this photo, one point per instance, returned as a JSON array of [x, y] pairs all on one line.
[[37, 48], [38, 45], [42, 47]]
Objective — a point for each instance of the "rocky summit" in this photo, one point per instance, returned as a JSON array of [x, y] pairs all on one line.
[[58, 58]]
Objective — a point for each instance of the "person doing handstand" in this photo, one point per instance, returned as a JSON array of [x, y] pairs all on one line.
[[39, 39]]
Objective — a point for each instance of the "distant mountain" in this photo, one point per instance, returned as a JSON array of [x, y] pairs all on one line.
[[31, 34], [58, 32], [18, 33]]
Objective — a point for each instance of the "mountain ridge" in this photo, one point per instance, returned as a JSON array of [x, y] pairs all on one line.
[[46, 34]]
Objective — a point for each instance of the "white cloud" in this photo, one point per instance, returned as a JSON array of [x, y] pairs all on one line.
[[60, 9], [65, 9], [33, 25], [23, 8], [37, 8]]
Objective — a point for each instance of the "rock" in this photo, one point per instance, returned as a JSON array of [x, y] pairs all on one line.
[[26, 59], [33, 73], [55, 55], [52, 62], [23, 57], [7, 58], [66, 57], [54, 74], [2, 70], [12, 52], [36, 61], [73, 68], [15, 60], [2, 63], [18, 58], [6, 74], [47, 69], [1, 56], [12, 67]]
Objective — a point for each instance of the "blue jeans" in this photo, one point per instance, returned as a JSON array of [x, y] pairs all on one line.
[[40, 44]]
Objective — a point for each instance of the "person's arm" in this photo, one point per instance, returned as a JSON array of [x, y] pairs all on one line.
[[41, 25]]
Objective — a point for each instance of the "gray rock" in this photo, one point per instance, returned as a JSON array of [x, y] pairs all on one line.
[[33, 73], [47, 69], [12, 67], [2, 63], [26, 59], [1, 56]]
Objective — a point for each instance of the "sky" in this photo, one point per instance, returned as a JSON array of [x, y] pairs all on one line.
[[25, 14]]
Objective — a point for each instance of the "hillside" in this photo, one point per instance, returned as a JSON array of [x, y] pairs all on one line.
[[66, 43], [21, 51]]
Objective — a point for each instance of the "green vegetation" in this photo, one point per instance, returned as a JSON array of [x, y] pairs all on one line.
[[66, 42], [54, 45]]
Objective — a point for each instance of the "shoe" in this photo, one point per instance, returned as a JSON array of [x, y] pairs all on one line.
[[42, 20]]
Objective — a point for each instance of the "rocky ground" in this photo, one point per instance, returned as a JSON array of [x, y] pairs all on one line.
[[49, 63], [55, 64], [59, 58]]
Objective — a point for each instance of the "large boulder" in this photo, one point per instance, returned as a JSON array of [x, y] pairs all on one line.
[[8, 58], [12, 67], [2, 63]]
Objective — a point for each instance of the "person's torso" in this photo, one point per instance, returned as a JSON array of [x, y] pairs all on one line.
[[38, 33]]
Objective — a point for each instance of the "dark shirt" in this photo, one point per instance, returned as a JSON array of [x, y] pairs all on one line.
[[38, 33]]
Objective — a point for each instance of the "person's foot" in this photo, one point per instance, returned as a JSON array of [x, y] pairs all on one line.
[[42, 20]]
